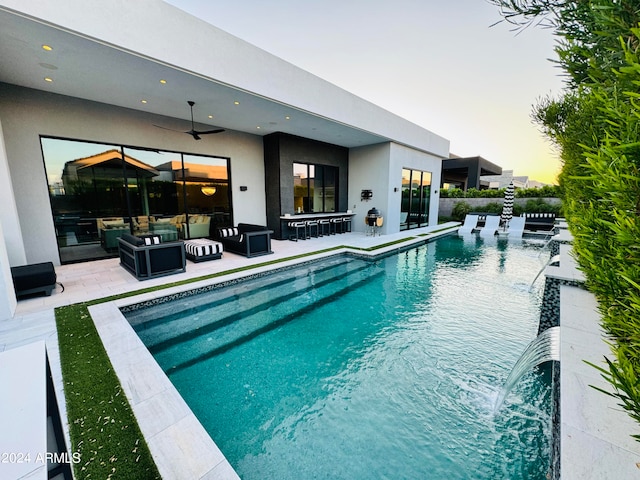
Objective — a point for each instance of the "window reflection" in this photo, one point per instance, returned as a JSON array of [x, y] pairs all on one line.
[[314, 188], [98, 192], [416, 193]]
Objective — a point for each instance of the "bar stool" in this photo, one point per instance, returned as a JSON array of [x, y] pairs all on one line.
[[310, 225], [297, 226], [346, 224], [324, 222], [337, 222]]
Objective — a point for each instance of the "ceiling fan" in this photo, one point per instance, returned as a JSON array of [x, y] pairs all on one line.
[[193, 132]]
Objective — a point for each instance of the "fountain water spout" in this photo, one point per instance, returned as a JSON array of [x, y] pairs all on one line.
[[545, 348], [554, 259]]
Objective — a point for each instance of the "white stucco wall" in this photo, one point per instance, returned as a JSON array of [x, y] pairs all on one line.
[[379, 168], [9, 213], [369, 170], [26, 114]]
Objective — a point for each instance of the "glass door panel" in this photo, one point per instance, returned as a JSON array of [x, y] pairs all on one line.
[[425, 196], [87, 195], [208, 196], [416, 194], [406, 199]]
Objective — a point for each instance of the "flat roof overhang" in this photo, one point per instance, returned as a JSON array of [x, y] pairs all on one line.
[[467, 171], [94, 58]]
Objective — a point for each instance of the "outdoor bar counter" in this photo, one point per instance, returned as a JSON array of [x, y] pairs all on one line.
[[304, 217]]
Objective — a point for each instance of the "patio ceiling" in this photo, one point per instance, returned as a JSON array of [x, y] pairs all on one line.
[[89, 69]]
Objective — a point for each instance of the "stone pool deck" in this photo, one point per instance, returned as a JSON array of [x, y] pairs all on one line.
[[179, 444]]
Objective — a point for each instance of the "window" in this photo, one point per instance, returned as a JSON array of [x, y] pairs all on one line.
[[314, 188], [99, 192], [416, 193]]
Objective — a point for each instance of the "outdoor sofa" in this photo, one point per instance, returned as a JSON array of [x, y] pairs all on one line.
[[246, 239], [147, 257]]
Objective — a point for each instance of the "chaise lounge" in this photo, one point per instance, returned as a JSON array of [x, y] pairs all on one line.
[[147, 257], [246, 239]]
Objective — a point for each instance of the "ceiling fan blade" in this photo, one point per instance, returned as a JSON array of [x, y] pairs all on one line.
[[171, 129], [206, 132], [193, 132]]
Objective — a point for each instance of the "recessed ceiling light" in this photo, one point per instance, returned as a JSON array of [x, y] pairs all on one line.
[[48, 79], [143, 101], [47, 48], [287, 117], [258, 127], [163, 82], [236, 103], [210, 116]]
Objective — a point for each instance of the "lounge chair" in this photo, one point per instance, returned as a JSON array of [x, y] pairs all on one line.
[[516, 227], [491, 225], [470, 222]]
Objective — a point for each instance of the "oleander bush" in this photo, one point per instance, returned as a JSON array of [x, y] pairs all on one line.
[[596, 125]]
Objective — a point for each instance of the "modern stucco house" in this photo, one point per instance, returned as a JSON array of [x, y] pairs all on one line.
[[90, 93]]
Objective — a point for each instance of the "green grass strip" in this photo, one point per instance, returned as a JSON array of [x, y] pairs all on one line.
[[103, 429]]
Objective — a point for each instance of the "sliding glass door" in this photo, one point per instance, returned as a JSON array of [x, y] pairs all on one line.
[[99, 192], [416, 193]]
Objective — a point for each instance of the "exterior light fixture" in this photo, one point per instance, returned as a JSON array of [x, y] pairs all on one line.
[[143, 101], [48, 48], [208, 191], [366, 195], [236, 103], [48, 79], [163, 82]]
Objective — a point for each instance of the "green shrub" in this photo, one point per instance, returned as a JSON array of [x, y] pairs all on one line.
[[548, 191], [452, 193], [596, 126], [460, 210], [539, 205]]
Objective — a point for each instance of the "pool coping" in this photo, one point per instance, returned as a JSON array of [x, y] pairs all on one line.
[[179, 444]]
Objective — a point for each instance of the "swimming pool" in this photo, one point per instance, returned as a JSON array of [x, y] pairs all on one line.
[[348, 368]]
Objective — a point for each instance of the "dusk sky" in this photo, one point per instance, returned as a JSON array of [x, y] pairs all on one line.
[[436, 63]]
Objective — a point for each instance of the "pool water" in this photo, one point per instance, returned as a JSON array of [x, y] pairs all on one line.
[[352, 369]]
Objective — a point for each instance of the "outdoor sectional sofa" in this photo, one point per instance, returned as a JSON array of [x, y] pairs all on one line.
[[246, 239], [147, 257]]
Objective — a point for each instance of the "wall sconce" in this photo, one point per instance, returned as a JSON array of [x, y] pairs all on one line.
[[366, 195], [208, 191], [395, 189], [243, 188]]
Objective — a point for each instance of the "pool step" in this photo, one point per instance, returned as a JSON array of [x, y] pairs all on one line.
[[228, 332], [206, 312]]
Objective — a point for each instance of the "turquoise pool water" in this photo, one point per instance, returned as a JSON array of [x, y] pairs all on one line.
[[349, 369]]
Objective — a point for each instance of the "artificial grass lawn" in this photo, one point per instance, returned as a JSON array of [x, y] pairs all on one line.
[[102, 426], [103, 429]]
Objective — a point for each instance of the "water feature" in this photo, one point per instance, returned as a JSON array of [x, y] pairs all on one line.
[[552, 260], [545, 348], [355, 369]]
